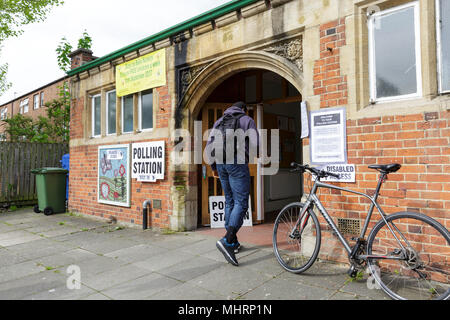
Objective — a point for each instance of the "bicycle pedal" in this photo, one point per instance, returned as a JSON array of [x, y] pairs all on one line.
[[352, 272]]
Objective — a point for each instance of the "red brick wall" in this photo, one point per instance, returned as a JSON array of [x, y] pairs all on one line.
[[83, 187], [420, 143], [329, 83]]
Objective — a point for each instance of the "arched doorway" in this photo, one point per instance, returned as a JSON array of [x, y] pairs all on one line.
[[271, 85]]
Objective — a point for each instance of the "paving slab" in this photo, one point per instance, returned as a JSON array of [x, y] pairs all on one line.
[[136, 253], [74, 256], [280, 289], [29, 285], [190, 269], [163, 260], [230, 281], [111, 278], [20, 270], [141, 288], [62, 293], [179, 293]]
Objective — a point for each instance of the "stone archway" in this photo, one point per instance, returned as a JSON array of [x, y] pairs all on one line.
[[185, 200], [215, 73]]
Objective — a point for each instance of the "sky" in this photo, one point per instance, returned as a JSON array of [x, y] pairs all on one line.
[[112, 24]]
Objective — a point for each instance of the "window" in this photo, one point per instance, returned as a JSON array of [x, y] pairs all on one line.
[[96, 116], [36, 101], [4, 114], [127, 113], [23, 108], [443, 45], [146, 110], [395, 76], [2, 136], [111, 112], [42, 98]]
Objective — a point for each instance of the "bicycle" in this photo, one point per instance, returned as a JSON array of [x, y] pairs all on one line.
[[408, 253]]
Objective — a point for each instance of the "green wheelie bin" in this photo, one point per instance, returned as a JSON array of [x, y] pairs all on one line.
[[51, 190]]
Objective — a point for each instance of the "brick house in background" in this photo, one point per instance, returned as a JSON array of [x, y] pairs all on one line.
[[274, 54], [31, 104]]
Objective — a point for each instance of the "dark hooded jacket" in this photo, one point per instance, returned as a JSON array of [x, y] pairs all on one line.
[[245, 123]]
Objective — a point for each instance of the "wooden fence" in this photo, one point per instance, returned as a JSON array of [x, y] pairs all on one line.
[[17, 183]]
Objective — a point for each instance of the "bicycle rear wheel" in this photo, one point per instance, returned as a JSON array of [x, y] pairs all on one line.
[[421, 270], [296, 246]]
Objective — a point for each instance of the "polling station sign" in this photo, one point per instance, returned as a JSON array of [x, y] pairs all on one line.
[[146, 72], [148, 161], [217, 212]]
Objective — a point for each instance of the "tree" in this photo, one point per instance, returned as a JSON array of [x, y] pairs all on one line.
[[13, 15], [65, 48]]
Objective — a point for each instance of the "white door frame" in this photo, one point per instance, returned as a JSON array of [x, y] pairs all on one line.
[[259, 176]]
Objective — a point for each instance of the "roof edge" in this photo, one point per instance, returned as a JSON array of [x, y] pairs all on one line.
[[190, 23]]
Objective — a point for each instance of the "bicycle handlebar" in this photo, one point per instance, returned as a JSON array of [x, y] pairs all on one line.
[[318, 173]]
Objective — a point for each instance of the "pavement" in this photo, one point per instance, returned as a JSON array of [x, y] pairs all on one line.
[[40, 256]]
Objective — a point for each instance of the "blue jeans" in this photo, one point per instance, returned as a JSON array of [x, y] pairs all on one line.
[[235, 180]]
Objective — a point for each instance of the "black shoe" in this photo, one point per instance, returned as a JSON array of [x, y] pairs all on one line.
[[227, 251], [237, 247]]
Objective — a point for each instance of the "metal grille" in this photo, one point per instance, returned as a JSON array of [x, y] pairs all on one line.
[[349, 226]]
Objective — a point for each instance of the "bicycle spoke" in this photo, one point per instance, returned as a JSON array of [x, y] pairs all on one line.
[[420, 270]]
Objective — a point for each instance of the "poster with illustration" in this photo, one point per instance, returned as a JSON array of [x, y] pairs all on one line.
[[114, 175]]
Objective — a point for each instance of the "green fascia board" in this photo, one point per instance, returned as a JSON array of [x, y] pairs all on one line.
[[191, 23]]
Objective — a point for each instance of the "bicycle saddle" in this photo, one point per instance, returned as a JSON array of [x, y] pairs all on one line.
[[387, 168]]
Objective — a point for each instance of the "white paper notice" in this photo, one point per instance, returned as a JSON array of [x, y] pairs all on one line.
[[304, 119], [328, 136]]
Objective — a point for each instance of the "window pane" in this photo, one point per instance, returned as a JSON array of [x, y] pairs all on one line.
[[445, 45], [111, 112], [36, 101], [250, 89], [271, 86], [97, 116], [128, 113], [42, 98], [395, 73], [147, 110]]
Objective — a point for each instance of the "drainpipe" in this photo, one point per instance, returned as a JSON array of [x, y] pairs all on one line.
[[145, 206]]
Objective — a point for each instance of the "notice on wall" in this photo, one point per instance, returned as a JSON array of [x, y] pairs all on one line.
[[328, 141], [148, 161], [217, 212], [114, 175], [304, 119], [146, 72], [346, 172]]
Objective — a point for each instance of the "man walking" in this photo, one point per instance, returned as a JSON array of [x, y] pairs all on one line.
[[231, 167]]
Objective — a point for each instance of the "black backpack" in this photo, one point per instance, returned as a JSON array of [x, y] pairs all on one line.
[[229, 121]]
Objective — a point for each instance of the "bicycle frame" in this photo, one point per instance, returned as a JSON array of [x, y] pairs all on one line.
[[314, 200]]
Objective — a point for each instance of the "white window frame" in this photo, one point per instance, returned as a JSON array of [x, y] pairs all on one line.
[[24, 103], [122, 115], [36, 102], [140, 114], [439, 47], [4, 114], [93, 116], [107, 113], [372, 68]]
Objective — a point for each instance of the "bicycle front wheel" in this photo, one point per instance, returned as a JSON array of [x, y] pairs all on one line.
[[416, 260], [296, 242]]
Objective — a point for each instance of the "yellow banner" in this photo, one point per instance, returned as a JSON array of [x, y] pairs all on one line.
[[140, 74]]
